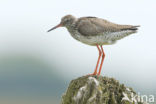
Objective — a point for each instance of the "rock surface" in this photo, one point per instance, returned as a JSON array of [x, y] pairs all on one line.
[[99, 90]]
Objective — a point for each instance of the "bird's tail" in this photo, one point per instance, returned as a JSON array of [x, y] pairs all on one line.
[[131, 28], [124, 32]]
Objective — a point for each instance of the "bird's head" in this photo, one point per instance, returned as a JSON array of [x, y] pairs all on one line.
[[65, 22]]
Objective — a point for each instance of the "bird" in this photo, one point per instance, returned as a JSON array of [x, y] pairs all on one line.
[[97, 32]]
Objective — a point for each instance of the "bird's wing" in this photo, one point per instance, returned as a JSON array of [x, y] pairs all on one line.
[[90, 26]]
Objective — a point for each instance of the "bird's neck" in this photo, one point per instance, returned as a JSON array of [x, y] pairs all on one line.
[[71, 27], [72, 30]]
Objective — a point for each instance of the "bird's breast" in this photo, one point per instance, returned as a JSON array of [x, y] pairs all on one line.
[[91, 40]]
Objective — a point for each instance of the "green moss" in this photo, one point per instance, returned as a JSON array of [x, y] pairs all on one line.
[[108, 91]]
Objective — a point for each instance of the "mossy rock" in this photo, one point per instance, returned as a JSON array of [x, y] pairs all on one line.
[[98, 90]]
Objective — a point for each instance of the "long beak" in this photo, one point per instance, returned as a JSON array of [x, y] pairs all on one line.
[[59, 25]]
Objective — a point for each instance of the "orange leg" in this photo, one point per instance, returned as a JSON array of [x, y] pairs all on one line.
[[95, 71], [103, 56]]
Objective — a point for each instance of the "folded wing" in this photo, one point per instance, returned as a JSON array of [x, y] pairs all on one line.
[[90, 26]]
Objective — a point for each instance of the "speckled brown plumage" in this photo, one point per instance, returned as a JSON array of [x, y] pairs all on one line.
[[91, 26], [95, 32]]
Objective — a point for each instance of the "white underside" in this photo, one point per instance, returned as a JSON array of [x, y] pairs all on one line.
[[102, 39]]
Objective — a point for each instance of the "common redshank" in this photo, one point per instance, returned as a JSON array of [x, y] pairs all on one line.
[[95, 32]]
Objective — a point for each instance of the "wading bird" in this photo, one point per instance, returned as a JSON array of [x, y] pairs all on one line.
[[95, 32]]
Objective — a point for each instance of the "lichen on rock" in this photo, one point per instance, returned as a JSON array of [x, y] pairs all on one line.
[[98, 90]]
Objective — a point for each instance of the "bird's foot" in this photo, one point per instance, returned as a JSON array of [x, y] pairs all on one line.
[[93, 74]]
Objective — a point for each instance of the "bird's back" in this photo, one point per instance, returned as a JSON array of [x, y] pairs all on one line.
[[93, 26], [93, 30]]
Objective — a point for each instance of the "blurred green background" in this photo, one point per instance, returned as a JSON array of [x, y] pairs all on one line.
[[36, 67]]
